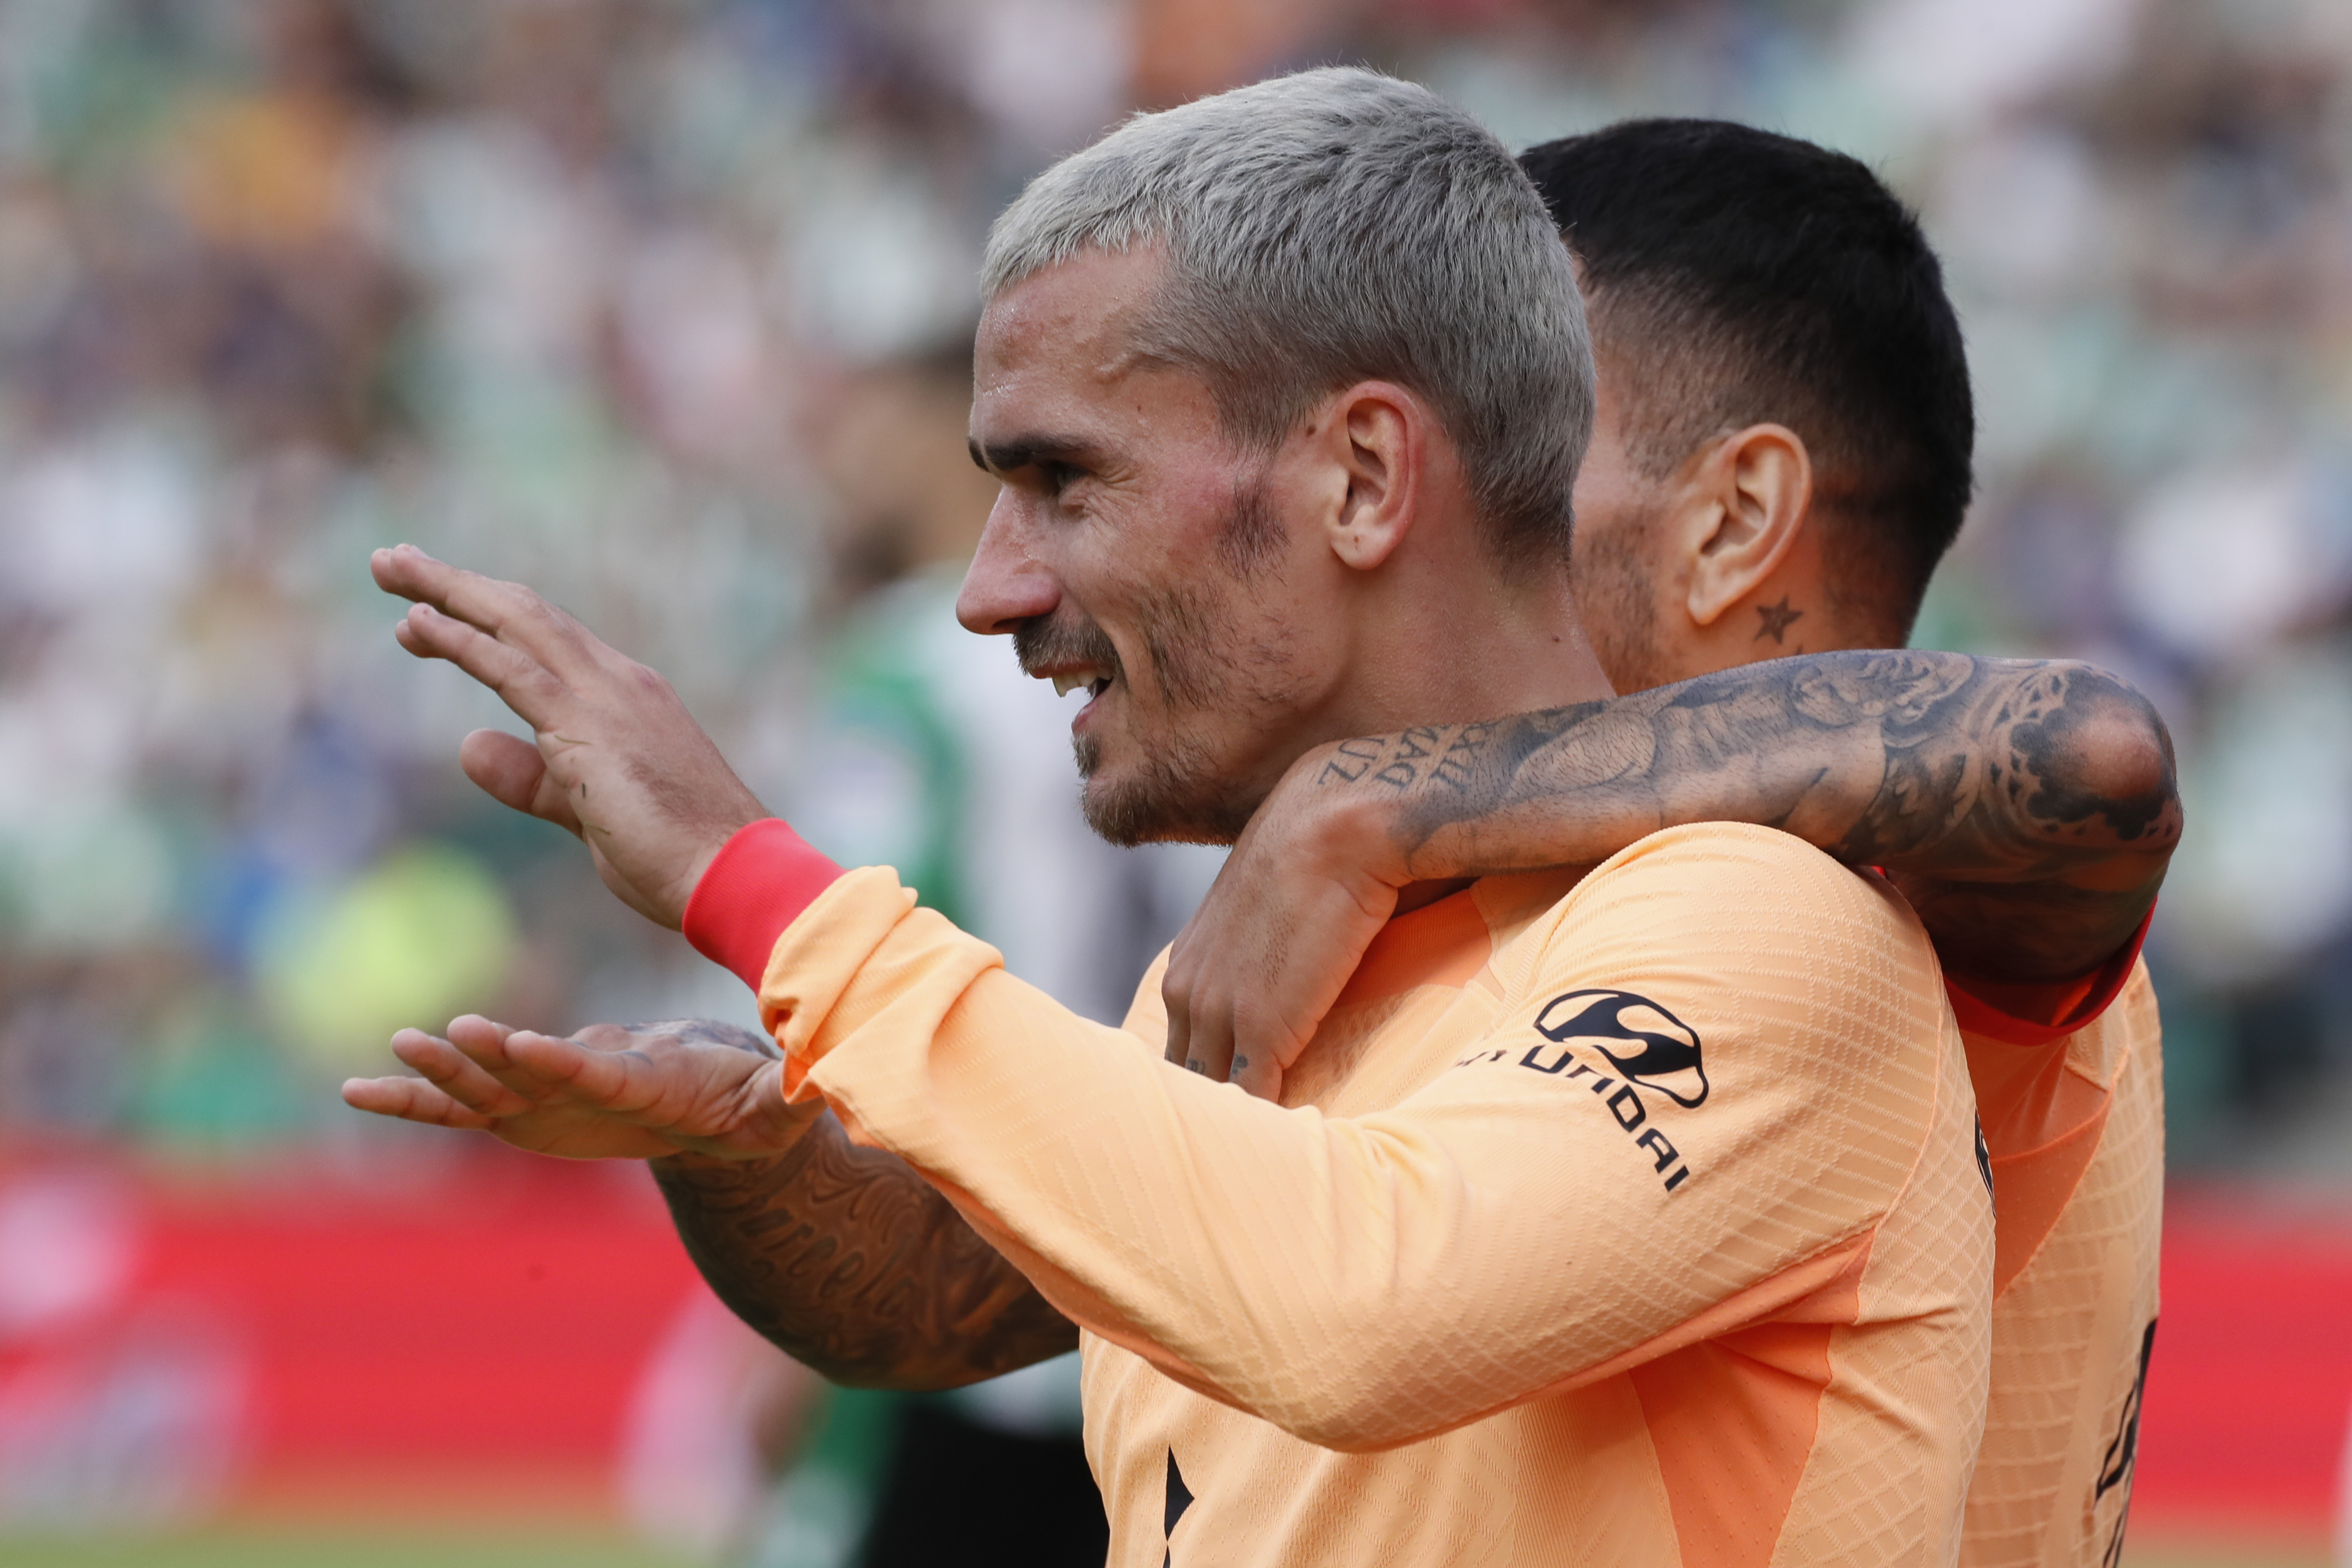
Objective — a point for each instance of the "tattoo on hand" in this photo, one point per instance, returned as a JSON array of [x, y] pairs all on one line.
[[710, 1032]]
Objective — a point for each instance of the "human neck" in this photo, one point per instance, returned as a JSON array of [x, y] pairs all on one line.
[[1467, 646], [1790, 613]]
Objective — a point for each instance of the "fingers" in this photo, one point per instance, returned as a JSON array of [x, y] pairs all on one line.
[[1268, 1032], [500, 1071], [1209, 1045], [623, 1082], [409, 572], [1256, 1059], [714, 1096], [1196, 993], [413, 1100], [1196, 1010], [521, 681], [612, 1094], [1262, 962], [510, 612], [512, 771], [1216, 1037], [456, 1074], [486, 1045], [1176, 996]]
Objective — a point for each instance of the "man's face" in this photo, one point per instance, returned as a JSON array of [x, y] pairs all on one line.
[[1136, 552], [1620, 568]]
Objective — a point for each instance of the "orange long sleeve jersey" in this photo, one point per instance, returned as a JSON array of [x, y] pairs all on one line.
[[1639, 1219], [2070, 1082]]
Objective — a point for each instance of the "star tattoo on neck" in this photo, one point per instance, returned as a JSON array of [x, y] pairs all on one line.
[[1776, 619]]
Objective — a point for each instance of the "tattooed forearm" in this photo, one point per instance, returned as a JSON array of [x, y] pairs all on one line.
[[2027, 808], [854, 1265], [1442, 755]]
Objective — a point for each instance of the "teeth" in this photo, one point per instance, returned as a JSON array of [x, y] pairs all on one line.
[[1093, 681]]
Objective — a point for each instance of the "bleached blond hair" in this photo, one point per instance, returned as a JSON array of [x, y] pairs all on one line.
[[1335, 227]]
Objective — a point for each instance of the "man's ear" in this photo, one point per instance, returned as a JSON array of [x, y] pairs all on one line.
[[1379, 438], [1758, 485]]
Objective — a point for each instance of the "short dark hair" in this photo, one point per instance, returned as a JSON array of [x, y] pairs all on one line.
[[1735, 277]]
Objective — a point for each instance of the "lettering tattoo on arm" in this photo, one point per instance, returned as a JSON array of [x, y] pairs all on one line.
[[2027, 808], [854, 1265]]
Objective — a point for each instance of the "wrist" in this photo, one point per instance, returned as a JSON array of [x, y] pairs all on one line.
[[1363, 834], [685, 1162], [696, 870], [748, 891], [746, 1148]]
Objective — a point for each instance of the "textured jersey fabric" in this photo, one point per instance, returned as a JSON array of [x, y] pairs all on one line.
[[2074, 1125], [1634, 1220]]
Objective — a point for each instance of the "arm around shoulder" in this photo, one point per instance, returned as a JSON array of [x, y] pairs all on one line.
[[2055, 860]]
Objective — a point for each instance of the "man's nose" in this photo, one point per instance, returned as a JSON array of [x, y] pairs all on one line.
[[1007, 584]]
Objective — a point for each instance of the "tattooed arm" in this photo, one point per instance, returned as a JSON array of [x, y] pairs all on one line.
[[857, 1266], [1995, 792], [2027, 809], [841, 1255]]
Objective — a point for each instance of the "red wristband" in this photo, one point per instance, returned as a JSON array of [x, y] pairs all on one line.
[[760, 882]]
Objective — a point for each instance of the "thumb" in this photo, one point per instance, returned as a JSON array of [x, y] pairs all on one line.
[[510, 770]]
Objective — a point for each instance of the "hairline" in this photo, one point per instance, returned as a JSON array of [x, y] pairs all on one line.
[[1701, 348], [1148, 343]]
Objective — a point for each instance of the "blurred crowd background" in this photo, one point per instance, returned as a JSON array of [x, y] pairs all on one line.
[[664, 307]]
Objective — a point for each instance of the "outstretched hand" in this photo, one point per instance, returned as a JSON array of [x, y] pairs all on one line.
[[609, 1091], [618, 760], [1309, 883]]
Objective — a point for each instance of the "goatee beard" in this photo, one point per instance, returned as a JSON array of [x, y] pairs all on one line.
[[1172, 799], [1174, 793]]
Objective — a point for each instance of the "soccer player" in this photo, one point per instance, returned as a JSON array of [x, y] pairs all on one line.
[[1632, 1216], [1780, 456]]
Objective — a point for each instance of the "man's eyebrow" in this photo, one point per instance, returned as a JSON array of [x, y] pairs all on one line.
[[1027, 451]]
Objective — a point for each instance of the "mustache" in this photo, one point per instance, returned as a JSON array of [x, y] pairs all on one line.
[[1047, 641]]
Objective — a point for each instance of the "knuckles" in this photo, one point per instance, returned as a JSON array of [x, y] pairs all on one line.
[[647, 681]]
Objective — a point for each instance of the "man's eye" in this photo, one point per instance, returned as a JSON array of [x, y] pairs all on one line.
[[1059, 475]]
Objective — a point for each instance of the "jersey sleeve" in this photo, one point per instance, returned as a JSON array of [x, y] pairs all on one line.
[[1715, 1076], [2036, 1013]]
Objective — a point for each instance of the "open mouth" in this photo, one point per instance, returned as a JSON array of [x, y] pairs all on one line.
[[1094, 682]]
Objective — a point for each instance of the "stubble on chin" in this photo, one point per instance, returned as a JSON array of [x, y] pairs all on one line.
[[1173, 798], [1172, 792], [1202, 662]]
